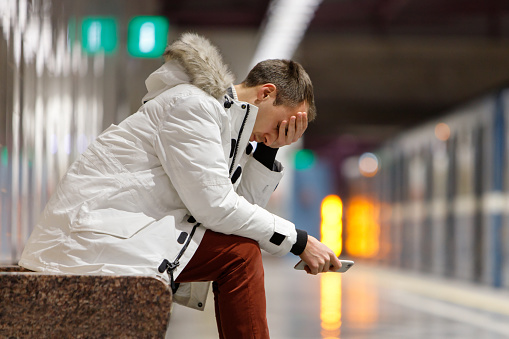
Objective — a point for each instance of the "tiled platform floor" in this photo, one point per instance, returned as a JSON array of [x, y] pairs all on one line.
[[364, 303]]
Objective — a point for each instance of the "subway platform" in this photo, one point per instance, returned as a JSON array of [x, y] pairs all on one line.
[[367, 302]]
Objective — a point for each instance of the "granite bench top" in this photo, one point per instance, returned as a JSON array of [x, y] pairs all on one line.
[[39, 305]]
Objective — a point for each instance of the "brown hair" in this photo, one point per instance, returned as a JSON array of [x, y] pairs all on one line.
[[292, 83]]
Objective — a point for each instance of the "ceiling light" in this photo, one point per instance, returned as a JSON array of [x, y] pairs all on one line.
[[287, 21]]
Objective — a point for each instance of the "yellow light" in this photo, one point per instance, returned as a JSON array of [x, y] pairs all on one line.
[[362, 227], [330, 305], [332, 224]]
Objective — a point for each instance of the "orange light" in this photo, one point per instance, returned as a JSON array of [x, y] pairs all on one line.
[[330, 305], [362, 227], [332, 224], [368, 165], [442, 131], [363, 300]]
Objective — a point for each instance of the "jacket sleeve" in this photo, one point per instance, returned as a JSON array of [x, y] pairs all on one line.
[[189, 146], [258, 182], [261, 177]]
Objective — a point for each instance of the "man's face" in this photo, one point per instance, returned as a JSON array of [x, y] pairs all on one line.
[[269, 119]]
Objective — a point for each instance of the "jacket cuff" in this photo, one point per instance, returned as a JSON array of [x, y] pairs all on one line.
[[265, 155], [300, 244]]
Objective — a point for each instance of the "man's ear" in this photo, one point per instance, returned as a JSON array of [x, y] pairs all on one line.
[[266, 91]]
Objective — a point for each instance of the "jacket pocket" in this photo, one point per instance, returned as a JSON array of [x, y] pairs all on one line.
[[111, 221]]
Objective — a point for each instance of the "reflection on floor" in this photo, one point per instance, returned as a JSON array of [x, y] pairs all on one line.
[[364, 303]]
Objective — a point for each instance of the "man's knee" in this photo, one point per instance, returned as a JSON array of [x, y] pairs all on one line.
[[247, 262], [241, 250], [249, 251]]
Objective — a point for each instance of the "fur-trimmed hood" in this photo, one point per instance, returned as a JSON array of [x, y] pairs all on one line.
[[191, 59]]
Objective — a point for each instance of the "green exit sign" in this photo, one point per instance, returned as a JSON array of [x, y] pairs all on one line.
[[147, 36], [99, 34], [304, 159]]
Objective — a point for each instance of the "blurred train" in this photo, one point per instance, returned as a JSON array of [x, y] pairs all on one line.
[[441, 195]]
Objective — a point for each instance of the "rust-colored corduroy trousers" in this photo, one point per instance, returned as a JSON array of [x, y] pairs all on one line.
[[234, 265]]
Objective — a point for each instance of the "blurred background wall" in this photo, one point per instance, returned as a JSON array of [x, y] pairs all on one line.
[[55, 98]]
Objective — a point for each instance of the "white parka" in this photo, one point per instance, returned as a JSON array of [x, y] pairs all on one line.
[[126, 203]]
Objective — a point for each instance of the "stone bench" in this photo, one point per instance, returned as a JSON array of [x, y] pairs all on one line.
[[40, 305]]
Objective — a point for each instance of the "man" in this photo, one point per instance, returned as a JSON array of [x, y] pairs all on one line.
[[176, 191]]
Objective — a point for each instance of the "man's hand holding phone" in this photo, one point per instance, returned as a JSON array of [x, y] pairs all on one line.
[[319, 258], [345, 265]]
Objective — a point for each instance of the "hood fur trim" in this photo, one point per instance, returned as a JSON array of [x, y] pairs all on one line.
[[202, 62]]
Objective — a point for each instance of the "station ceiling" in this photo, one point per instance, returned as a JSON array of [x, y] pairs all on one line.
[[381, 66]]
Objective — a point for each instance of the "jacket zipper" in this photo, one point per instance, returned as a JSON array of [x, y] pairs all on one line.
[[169, 267], [238, 140]]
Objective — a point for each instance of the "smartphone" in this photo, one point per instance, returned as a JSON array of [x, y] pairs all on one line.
[[345, 265]]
